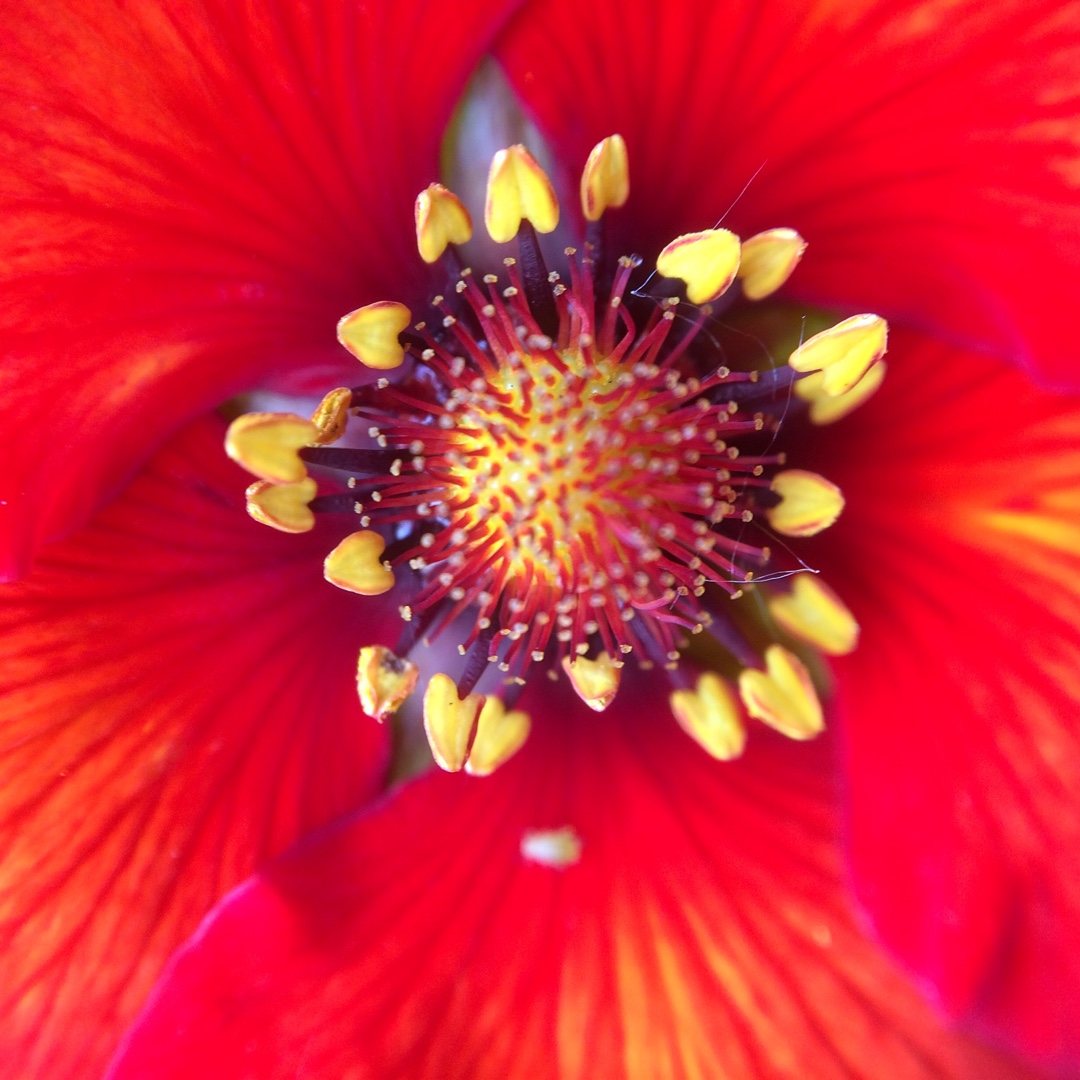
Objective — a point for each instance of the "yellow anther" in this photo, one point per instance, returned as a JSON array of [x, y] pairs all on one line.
[[441, 220], [449, 722], [383, 681], [808, 503], [356, 565], [266, 444], [556, 848], [768, 260], [782, 696], [813, 612], [499, 736], [707, 261], [710, 715], [595, 681], [827, 409], [518, 188], [283, 506], [371, 334], [332, 415], [844, 353], [605, 182]]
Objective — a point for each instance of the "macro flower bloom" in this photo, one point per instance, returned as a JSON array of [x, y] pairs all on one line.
[[195, 194]]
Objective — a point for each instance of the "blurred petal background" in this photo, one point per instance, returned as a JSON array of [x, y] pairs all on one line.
[[194, 193]]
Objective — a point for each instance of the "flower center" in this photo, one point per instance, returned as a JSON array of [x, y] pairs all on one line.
[[566, 476]]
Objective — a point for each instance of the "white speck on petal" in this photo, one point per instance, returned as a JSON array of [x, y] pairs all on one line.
[[557, 848]]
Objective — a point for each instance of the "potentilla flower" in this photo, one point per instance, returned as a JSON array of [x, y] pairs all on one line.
[[594, 480], [565, 471]]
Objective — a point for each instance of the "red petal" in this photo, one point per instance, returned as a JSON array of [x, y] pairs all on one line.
[[177, 703], [959, 553], [926, 151], [704, 932], [195, 193]]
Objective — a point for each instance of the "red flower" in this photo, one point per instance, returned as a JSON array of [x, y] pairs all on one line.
[[197, 192]]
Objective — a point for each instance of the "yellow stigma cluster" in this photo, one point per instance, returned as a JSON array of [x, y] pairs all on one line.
[[533, 461]]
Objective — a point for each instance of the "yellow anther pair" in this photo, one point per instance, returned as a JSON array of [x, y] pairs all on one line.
[[843, 354], [782, 696], [268, 444], [519, 189], [710, 261], [476, 733]]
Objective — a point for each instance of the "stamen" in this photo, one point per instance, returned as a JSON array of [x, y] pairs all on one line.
[[569, 474], [371, 334], [595, 681], [267, 445], [361, 462], [518, 189], [706, 261], [355, 566], [605, 181], [449, 722], [383, 681], [332, 415], [284, 507], [477, 656], [813, 612], [499, 736], [768, 259], [709, 714], [773, 385], [828, 408], [808, 503], [844, 353], [783, 696], [541, 303], [441, 220]]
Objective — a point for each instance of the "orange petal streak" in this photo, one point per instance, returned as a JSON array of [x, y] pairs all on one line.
[[702, 930], [961, 562], [161, 737]]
